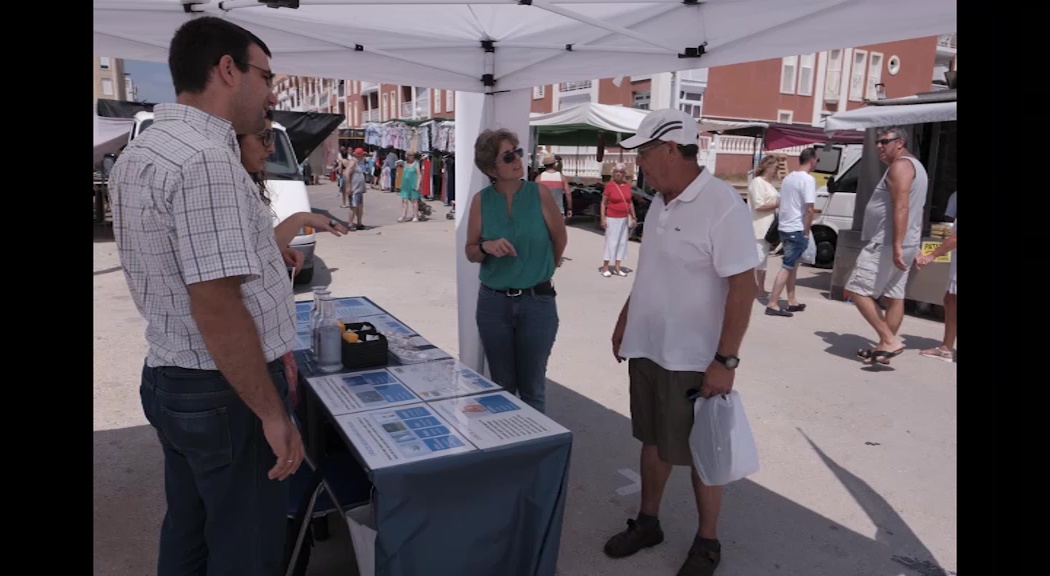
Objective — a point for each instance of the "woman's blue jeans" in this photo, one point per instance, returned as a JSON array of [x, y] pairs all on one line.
[[517, 333]]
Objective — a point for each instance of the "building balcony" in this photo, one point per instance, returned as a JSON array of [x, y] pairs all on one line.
[[367, 87], [574, 86], [406, 109], [371, 116], [946, 45]]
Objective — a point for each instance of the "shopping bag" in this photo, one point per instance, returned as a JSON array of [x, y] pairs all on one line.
[[721, 441], [363, 537], [809, 256]]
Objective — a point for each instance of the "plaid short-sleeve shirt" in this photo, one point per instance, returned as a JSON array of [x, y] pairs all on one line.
[[186, 211]]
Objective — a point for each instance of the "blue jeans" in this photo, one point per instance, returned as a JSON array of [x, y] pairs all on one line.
[[518, 334], [794, 246], [224, 517]]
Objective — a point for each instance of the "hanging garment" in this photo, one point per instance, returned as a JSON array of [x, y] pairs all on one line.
[[426, 178]]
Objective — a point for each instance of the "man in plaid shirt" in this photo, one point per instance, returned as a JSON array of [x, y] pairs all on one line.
[[199, 255]]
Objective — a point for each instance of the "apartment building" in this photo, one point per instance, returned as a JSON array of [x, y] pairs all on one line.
[[109, 79]]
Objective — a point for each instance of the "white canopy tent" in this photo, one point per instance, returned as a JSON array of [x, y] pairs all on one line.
[[590, 115], [494, 51]]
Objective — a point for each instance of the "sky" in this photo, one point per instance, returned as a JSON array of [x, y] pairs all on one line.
[[152, 79]]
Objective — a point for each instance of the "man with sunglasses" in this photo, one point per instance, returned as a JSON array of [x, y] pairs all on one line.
[[203, 266], [893, 231], [683, 324]]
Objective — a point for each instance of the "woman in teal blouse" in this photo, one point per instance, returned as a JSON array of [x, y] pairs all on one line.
[[517, 234]]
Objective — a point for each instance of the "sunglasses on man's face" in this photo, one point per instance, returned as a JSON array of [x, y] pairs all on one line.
[[886, 141], [509, 155], [267, 137]]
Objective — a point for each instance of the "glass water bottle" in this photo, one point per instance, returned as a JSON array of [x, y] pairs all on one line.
[[328, 338], [320, 292]]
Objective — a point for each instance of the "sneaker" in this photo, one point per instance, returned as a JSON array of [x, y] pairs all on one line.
[[620, 273], [415, 219], [702, 560], [606, 273], [778, 312], [633, 539]]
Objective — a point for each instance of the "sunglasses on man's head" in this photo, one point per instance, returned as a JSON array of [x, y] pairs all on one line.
[[266, 137], [509, 155], [886, 141]]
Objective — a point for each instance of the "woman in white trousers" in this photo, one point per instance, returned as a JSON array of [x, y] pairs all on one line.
[[618, 218]]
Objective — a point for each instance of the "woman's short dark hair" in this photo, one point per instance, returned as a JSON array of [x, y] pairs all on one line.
[[486, 148], [199, 44], [260, 177]]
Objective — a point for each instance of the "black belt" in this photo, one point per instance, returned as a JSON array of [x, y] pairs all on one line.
[[541, 289]]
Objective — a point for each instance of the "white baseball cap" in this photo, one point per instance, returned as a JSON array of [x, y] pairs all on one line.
[[669, 125]]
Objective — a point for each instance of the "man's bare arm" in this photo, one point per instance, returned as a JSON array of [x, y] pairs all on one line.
[[899, 179], [742, 292]]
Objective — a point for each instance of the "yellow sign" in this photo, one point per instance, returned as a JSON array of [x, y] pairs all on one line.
[[929, 247]]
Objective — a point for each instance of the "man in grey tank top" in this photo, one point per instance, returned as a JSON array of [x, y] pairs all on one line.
[[893, 231]]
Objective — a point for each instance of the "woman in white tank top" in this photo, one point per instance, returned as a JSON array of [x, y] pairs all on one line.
[[556, 183]]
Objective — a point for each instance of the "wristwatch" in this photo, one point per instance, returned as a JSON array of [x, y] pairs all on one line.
[[730, 362], [482, 248]]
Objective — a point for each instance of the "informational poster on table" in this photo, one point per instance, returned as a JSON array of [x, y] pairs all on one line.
[[442, 379], [352, 392], [395, 436], [355, 309], [497, 419]]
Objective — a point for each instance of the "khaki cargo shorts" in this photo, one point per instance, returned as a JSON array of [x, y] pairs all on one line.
[[661, 414], [875, 275]]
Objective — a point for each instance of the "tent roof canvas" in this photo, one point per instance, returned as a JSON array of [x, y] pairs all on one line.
[[495, 45]]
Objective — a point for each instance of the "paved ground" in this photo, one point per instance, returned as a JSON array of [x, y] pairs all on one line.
[[858, 465]]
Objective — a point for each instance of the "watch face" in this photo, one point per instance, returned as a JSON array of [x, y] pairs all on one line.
[[732, 362]]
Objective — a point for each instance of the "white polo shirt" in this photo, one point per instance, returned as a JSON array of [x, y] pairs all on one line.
[[691, 247]]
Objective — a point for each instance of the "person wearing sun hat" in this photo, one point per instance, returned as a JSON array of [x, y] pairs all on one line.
[[683, 324]]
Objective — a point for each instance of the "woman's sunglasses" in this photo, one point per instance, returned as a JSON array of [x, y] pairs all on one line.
[[266, 137], [509, 155]]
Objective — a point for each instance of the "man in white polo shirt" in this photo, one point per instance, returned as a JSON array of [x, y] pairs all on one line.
[[684, 322]]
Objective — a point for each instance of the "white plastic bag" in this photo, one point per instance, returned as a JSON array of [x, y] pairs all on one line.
[[363, 536], [721, 441], [809, 255]]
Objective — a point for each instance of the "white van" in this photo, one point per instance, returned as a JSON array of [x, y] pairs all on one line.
[[284, 183], [835, 206]]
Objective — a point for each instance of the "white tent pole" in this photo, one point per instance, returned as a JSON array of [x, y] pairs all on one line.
[[575, 48], [595, 38], [236, 4], [474, 114], [614, 28]]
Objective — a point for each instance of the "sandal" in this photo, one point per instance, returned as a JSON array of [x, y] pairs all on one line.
[[939, 353], [865, 354], [883, 356]]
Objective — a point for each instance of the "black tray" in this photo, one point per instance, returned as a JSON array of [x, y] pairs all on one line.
[[364, 354]]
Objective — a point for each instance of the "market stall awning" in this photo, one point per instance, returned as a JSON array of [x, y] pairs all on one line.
[[777, 136], [780, 136], [580, 125], [497, 45], [901, 111]]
